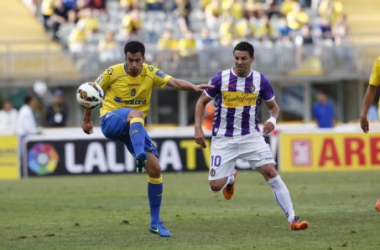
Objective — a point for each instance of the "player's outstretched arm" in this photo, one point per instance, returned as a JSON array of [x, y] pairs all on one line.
[[87, 125], [181, 84], [199, 136], [274, 110], [367, 102]]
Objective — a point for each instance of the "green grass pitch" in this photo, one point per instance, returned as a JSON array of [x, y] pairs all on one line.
[[111, 212]]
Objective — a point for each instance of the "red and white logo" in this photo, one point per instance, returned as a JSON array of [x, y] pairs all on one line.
[[301, 153]]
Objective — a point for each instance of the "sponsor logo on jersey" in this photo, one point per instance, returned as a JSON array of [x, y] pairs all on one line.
[[160, 74], [109, 71], [238, 99], [99, 80], [136, 102], [134, 84]]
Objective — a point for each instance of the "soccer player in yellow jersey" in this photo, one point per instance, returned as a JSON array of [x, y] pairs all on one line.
[[128, 89], [374, 82]]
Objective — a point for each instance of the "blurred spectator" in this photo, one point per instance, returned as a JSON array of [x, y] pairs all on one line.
[[323, 111], [8, 117], [297, 17], [60, 16], [265, 29], [304, 43], [47, 9], [205, 42], [77, 39], [132, 21], [324, 30], [70, 4], [287, 6], [271, 9], [89, 23], [26, 122], [213, 12], [169, 46], [340, 30], [129, 5], [209, 116], [57, 112], [99, 6], [283, 28], [108, 48], [233, 8], [187, 46], [242, 30], [330, 9], [181, 10], [154, 5]]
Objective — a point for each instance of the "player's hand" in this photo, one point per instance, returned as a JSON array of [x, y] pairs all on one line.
[[201, 87], [87, 126], [199, 137], [364, 124], [268, 127]]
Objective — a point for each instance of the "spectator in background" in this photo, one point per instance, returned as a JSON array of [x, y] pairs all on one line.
[[57, 112], [168, 47], [132, 22], [129, 5], [59, 17], [323, 30], [297, 17], [330, 9], [282, 28], [272, 9], [340, 30], [154, 5], [233, 8], [77, 38], [187, 46], [26, 122], [108, 48], [47, 9], [8, 117], [287, 6], [323, 111], [181, 10]]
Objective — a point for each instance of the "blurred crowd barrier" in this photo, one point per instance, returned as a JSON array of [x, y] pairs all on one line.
[[296, 147], [59, 66]]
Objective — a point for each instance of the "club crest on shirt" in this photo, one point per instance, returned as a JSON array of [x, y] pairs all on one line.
[[133, 92], [109, 71], [212, 172], [252, 88]]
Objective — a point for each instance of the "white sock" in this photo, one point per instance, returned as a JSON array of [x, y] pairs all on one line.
[[282, 196]]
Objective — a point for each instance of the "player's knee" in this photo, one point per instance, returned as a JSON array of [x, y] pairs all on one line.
[[154, 170], [270, 172], [135, 114], [215, 186]]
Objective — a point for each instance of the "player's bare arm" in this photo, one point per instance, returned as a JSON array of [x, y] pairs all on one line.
[[181, 84], [87, 125], [367, 102], [274, 110], [199, 136]]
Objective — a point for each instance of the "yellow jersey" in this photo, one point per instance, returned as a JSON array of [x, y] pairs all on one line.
[[375, 75], [125, 91]]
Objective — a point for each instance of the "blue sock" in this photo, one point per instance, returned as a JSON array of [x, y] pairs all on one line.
[[137, 134], [155, 188]]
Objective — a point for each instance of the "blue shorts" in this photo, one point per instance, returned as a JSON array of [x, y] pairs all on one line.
[[114, 127]]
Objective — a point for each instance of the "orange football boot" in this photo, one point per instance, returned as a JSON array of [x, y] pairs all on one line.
[[298, 225], [228, 191], [377, 205]]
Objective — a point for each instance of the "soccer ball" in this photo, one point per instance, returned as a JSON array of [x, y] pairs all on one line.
[[89, 95]]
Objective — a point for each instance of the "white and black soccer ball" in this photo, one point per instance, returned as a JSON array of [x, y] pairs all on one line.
[[90, 95]]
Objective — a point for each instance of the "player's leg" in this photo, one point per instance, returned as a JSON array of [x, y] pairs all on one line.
[[222, 166], [282, 196], [155, 191], [137, 134]]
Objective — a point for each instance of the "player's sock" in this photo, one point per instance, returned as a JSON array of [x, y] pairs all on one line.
[[137, 134], [155, 188], [282, 196]]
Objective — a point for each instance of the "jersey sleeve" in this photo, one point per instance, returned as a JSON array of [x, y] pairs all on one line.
[[104, 79], [160, 78], [266, 90], [375, 75], [216, 81]]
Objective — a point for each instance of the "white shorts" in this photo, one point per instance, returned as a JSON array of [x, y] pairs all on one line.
[[225, 151]]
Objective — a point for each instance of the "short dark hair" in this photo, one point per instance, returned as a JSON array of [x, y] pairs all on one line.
[[134, 47], [245, 46], [27, 99]]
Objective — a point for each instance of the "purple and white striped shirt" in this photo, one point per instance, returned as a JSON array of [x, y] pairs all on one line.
[[236, 102]]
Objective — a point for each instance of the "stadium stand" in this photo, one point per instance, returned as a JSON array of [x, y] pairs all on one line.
[[26, 52]]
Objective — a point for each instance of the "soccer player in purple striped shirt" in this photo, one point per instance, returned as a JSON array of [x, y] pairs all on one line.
[[236, 135]]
